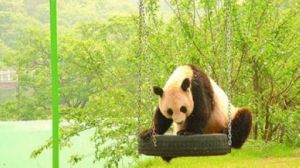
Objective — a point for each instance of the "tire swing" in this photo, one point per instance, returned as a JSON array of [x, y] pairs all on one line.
[[174, 145]]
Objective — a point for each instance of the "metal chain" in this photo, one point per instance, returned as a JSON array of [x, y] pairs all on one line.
[[143, 51], [228, 56], [140, 65]]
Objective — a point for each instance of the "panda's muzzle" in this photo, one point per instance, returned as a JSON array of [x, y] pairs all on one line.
[[179, 118]]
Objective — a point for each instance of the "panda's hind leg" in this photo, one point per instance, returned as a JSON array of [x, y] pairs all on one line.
[[241, 127]]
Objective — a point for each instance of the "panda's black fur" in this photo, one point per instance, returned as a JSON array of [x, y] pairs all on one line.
[[203, 108], [203, 102]]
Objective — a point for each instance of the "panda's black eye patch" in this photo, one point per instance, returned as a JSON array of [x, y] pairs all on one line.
[[170, 111], [183, 109]]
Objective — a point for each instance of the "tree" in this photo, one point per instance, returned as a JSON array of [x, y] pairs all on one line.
[[99, 68]]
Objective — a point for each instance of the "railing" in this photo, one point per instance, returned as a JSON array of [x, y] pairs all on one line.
[[8, 76]]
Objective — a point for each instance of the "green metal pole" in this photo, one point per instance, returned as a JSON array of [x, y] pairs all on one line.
[[54, 74]]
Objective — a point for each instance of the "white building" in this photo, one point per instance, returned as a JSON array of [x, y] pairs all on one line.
[[7, 76], [8, 79]]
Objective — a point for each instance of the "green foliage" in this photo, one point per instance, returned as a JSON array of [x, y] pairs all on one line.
[[99, 56]]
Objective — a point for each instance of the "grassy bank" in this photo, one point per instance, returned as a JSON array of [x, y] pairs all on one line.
[[253, 154], [19, 138]]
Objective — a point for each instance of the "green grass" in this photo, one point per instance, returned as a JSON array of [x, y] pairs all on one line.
[[19, 138], [253, 154]]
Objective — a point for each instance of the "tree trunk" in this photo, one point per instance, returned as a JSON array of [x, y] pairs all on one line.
[[267, 124], [257, 92], [255, 130], [282, 132]]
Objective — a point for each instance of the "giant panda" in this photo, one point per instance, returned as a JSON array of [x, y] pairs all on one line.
[[197, 105]]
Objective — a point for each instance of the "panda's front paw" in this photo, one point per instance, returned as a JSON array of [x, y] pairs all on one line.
[[183, 132], [146, 134]]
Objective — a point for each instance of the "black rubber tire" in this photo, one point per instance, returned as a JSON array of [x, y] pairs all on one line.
[[190, 145]]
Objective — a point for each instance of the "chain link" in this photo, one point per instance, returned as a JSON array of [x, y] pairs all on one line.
[[140, 65], [143, 52], [228, 56]]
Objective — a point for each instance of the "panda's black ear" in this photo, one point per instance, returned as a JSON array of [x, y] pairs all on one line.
[[158, 91], [185, 84]]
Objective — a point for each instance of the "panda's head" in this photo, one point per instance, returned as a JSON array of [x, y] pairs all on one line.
[[176, 102]]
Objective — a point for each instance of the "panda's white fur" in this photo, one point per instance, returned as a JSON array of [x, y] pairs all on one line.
[[219, 116], [178, 76]]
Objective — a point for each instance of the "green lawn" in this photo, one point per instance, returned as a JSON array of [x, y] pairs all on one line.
[[253, 154], [19, 138], [17, 141]]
